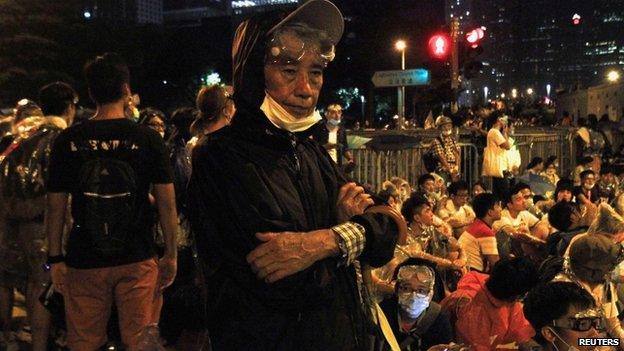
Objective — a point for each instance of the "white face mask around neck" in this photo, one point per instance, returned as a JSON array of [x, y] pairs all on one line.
[[282, 119]]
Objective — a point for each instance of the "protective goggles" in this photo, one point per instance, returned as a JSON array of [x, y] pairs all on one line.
[[582, 321], [281, 51]]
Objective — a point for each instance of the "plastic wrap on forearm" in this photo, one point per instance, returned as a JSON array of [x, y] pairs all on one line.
[[381, 238], [614, 329]]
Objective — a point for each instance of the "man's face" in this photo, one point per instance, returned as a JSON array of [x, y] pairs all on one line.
[[334, 113], [429, 186], [461, 198], [295, 85], [564, 195], [495, 212], [517, 203], [589, 181], [424, 216], [569, 336]]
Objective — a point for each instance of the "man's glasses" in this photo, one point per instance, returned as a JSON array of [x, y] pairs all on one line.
[[580, 324]]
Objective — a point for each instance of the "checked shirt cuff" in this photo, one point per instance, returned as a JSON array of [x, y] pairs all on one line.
[[351, 238]]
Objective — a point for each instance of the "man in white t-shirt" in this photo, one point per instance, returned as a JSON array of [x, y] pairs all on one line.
[[455, 209], [515, 216], [516, 222]]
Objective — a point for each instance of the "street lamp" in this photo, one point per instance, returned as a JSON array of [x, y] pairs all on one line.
[[530, 91], [613, 76], [401, 45], [514, 93]]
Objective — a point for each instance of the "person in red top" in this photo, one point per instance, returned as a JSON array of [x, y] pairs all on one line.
[[487, 309], [479, 240]]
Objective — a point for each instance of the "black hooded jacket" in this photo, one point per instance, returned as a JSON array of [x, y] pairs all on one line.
[[253, 177]]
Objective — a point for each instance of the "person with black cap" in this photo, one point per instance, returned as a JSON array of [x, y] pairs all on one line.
[[551, 169], [535, 166], [277, 225]]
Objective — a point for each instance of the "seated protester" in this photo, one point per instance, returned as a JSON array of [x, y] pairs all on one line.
[[551, 169], [479, 240], [562, 313], [417, 322], [584, 164], [592, 258], [427, 186], [391, 195], [515, 218], [586, 193], [517, 229], [607, 185], [426, 241], [564, 190], [535, 166], [477, 188], [567, 219], [455, 210], [488, 311]]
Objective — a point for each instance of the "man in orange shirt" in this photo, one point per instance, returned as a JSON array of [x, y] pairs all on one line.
[[491, 316]]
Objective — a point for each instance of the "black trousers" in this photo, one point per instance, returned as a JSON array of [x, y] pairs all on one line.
[[501, 187]]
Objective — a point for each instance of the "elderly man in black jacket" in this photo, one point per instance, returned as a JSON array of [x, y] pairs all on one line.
[[277, 226]]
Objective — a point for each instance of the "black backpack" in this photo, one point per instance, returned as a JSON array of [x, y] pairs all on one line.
[[108, 187], [430, 158]]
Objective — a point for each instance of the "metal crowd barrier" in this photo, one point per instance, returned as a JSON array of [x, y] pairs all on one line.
[[373, 167]]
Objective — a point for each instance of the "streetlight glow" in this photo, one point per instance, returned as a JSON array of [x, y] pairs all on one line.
[[613, 76], [400, 45], [530, 91], [514, 93]]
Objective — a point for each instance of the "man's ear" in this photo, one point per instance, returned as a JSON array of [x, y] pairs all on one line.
[[126, 90], [548, 334]]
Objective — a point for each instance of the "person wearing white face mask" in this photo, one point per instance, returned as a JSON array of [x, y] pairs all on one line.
[[562, 313], [333, 137], [417, 322], [447, 149], [587, 194]]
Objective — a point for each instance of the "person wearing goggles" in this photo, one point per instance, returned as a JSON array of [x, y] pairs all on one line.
[[562, 313], [417, 322]]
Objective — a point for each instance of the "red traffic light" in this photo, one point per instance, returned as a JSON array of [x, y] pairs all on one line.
[[439, 46], [475, 35], [576, 19]]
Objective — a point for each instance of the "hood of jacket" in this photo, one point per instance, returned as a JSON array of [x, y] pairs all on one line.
[[248, 53]]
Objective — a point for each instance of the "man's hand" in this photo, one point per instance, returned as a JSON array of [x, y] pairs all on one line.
[[352, 201], [284, 254], [167, 268], [58, 272]]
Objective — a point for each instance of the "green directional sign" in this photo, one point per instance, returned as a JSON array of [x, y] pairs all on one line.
[[401, 78]]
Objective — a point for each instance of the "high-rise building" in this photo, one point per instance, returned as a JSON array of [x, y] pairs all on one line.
[[193, 12], [127, 11], [562, 43]]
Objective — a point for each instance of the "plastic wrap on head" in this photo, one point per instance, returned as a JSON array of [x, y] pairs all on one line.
[[607, 221]]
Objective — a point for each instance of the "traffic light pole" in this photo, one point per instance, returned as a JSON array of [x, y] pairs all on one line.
[[454, 63]]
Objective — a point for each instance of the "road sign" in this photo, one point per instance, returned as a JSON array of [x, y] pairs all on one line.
[[408, 77]]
